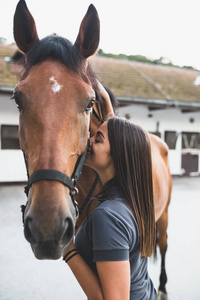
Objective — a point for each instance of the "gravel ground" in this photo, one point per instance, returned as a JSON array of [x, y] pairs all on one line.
[[22, 277]]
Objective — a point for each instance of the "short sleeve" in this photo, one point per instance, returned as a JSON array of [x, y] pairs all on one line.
[[110, 235]]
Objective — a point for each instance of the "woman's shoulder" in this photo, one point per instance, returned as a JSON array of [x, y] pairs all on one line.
[[113, 205], [114, 220], [117, 211]]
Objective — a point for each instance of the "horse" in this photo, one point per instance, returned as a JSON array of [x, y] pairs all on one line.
[[60, 101]]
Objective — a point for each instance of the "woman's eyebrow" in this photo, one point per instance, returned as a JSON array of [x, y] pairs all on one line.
[[100, 133]]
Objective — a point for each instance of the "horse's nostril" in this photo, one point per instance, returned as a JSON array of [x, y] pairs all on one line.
[[28, 230], [69, 231]]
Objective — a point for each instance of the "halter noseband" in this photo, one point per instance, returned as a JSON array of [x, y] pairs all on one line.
[[48, 174]]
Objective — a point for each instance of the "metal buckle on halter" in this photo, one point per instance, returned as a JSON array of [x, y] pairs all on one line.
[[74, 191]]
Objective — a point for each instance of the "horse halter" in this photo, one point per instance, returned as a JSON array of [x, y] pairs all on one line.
[[48, 174]]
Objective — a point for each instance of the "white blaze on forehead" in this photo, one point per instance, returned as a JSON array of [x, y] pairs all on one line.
[[56, 87]]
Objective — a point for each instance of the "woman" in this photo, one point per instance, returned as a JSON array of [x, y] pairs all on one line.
[[112, 245]]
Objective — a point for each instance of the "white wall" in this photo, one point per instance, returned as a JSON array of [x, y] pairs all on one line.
[[12, 166], [169, 119], [8, 110], [175, 158]]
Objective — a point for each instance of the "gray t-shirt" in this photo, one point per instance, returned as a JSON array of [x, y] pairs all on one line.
[[111, 233]]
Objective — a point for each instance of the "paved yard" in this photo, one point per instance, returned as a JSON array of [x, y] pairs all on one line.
[[22, 277], [183, 255]]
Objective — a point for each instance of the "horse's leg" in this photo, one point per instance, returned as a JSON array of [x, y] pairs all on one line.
[[162, 225]]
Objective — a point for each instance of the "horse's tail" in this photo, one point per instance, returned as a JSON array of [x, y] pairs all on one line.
[[155, 255]]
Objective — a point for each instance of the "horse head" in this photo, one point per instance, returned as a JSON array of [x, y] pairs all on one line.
[[54, 96]]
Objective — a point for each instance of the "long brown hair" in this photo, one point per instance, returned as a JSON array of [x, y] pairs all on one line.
[[131, 153]]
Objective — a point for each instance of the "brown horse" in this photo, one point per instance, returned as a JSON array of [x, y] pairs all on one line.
[[54, 96]]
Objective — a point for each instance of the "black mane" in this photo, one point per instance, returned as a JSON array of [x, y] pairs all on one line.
[[57, 48], [62, 50]]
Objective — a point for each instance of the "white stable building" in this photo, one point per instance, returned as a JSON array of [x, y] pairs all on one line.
[[163, 100], [12, 167], [180, 131]]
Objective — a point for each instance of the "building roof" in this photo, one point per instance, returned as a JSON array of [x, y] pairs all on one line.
[[8, 70], [132, 82], [145, 83]]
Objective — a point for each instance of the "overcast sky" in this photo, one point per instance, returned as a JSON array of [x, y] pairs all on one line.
[[154, 28]]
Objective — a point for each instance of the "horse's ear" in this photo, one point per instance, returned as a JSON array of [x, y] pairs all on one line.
[[88, 37], [25, 32]]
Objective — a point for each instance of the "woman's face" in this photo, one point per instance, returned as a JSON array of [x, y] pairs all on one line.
[[98, 156]]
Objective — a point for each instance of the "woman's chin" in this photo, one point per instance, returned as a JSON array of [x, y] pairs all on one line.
[[88, 163]]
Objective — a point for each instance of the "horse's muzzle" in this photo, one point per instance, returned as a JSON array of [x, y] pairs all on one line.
[[48, 246]]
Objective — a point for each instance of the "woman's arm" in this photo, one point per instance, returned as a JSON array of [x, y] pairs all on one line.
[[85, 276], [115, 279]]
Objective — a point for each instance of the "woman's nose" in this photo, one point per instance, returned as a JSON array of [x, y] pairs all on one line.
[[92, 140]]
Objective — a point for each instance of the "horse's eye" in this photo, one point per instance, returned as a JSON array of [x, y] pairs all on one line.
[[17, 101], [90, 105]]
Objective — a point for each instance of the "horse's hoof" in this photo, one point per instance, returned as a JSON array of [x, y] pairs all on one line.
[[162, 296]]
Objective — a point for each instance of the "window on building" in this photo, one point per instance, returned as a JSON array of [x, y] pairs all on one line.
[[190, 140], [171, 138], [9, 137]]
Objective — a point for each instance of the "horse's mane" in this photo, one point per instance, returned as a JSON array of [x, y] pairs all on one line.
[[62, 50], [57, 48]]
